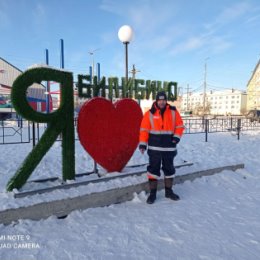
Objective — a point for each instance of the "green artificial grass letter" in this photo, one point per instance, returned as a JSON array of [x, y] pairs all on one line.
[[60, 121]]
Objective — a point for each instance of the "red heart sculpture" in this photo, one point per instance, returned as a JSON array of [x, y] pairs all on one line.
[[110, 133]]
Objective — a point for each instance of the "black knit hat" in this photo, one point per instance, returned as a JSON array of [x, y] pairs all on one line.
[[161, 96]]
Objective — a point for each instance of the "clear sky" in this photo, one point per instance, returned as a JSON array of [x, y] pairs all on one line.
[[172, 38]]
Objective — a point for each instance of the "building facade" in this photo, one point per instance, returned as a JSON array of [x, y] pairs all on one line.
[[253, 89], [227, 102], [35, 94]]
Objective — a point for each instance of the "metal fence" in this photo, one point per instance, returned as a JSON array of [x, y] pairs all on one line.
[[15, 131], [215, 125], [18, 131]]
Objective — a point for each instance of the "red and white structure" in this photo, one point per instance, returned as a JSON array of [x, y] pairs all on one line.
[[35, 94]]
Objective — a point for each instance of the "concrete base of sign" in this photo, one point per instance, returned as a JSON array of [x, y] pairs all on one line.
[[61, 208]]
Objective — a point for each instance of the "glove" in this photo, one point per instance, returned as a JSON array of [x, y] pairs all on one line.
[[142, 148], [175, 139]]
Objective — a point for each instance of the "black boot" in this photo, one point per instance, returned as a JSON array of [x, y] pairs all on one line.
[[168, 189], [153, 189]]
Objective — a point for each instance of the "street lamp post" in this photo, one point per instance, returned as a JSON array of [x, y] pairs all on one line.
[[125, 35], [91, 53]]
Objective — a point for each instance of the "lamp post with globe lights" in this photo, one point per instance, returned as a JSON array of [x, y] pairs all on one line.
[[125, 35]]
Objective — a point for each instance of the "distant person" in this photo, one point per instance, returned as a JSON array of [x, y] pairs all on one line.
[[161, 130]]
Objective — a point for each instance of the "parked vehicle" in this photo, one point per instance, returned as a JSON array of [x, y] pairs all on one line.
[[253, 115], [4, 103], [186, 113]]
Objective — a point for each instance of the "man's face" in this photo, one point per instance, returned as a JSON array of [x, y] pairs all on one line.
[[161, 103]]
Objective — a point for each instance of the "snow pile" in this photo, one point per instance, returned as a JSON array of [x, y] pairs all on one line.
[[216, 218]]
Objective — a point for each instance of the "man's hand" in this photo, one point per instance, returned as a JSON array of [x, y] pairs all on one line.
[[142, 148], [175, 140]]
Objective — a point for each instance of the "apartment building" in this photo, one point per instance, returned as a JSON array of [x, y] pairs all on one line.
[[227, 102], [253, 89]]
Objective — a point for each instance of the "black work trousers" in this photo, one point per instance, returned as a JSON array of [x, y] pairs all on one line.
[[158, 158]]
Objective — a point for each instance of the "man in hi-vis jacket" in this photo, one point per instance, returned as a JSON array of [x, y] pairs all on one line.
[[161, 131]]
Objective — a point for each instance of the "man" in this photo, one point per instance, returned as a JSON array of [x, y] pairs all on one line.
[[161, 129]]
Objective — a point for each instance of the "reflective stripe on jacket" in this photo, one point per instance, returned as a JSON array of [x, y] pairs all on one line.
[[158, 130]]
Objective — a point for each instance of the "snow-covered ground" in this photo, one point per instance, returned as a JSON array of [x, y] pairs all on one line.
[[216, 218]]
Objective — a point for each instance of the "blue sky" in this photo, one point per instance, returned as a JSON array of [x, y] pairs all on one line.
[[172, 39]]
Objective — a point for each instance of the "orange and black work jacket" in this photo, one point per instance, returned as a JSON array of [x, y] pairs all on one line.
[[157, 131]]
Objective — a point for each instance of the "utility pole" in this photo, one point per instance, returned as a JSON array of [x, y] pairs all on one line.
[[188, 97], [179, 92], [205, 87], [47, 84], [133, 72], [91, 53]]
